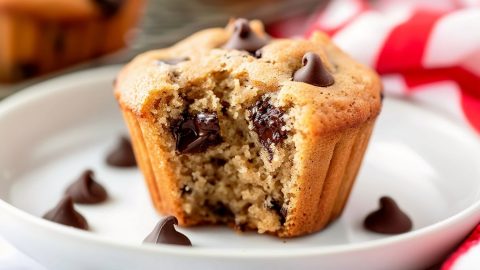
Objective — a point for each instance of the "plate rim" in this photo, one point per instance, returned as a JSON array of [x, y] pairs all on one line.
[[54, 85]]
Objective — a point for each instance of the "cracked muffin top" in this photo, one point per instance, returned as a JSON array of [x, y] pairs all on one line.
[[334, 91]]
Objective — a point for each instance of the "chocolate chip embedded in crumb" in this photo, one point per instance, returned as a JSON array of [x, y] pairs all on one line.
[[258, 53], [173, 61], [86, 190], [313, 72], [276, 206], [64, 213], [165, 233], [122, 155], [388, 219], [109, 8], [196, 133], [268, 123], [244, 38]]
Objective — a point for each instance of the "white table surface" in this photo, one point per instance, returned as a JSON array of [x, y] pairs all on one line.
[[11, 259]]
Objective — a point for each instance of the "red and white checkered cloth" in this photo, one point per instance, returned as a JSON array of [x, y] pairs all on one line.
[[426, 50]]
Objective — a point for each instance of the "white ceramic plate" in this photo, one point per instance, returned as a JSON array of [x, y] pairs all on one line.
[[53, 131]]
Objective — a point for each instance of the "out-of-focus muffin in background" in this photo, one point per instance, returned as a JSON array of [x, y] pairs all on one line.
[[40, 36]]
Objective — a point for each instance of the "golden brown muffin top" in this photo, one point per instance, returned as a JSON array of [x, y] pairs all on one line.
[[64, 9], [353, 98]]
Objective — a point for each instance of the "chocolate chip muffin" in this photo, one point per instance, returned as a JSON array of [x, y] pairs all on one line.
[[38, 36], [231, 126]]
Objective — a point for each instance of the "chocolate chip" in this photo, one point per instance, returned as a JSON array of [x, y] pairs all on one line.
[[313, 72], [173, 61], [64, 213], [258, 53], [382, 96], [389, 219], [276, 206], [268, 123], [220, 209], [165, 233], [109, 7], [195, 133], [86, 190], [122, 155], [243, 38]]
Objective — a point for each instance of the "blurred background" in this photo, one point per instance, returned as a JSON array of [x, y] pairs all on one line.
[[126, 28]]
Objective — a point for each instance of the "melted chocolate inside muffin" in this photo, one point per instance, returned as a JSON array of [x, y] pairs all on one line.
[[268, 123], [195, 133]]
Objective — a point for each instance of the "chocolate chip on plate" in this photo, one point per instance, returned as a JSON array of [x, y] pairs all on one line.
[[268, 123], [313, 72], [388, 219], [122, 155], [165, 233], [243, 38], [109, 7], [86, 190], [64, 213], [195, 133]]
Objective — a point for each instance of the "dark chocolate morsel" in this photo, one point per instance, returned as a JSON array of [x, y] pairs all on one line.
[[244, 39], [195, 133], [86, 190], [258, 53], [268, 123], [172, 61], [64, 213], [388, 219], [313, 72], [122, 155], [276, 206], [382, 96], [109, 7], [165, 233]]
